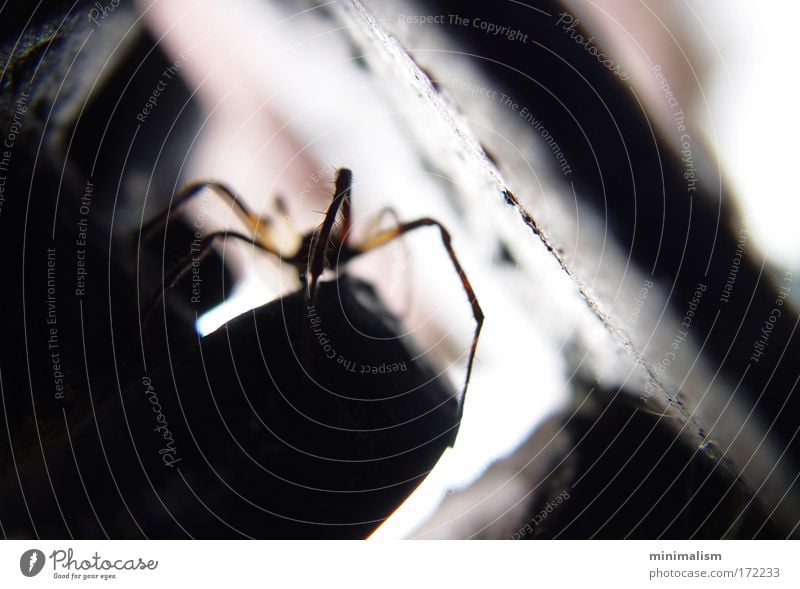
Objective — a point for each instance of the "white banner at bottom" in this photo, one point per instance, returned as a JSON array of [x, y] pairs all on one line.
[[385, 565]]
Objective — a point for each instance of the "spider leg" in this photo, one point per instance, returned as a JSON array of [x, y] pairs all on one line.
[[344, 182], [196, 257], [321, 237], [190, 191], [260, 226], [375, 222], [281, 232], [374, 229], [388, 235]]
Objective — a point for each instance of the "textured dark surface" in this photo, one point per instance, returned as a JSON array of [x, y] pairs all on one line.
[[271, 438], [634, 180], [628, 475]]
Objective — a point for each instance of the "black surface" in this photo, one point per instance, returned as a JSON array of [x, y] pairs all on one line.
[[270, 437]]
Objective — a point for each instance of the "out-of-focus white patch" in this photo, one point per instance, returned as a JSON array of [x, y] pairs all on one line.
[[756, 122]]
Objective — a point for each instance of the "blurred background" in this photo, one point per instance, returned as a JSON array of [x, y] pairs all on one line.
[[615, 176]]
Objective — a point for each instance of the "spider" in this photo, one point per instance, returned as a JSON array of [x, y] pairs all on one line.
[[329, 450], [253, 430], [327, 247]]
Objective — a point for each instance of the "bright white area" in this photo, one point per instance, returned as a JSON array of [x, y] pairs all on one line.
[[753, 93]]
